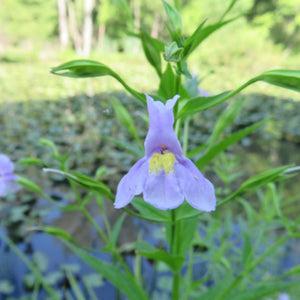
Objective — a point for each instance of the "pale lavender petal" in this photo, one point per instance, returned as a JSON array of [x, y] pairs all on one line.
[[163, 191], [161, 132], [198, 191], [6, 166], [132, 183], [8, 185]]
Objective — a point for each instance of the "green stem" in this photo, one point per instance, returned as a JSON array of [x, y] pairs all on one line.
[[174, 251], [175, 288], [186, 134], [114, 251]]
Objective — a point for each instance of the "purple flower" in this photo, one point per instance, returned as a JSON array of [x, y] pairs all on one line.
[[164, 175], [7, 177]]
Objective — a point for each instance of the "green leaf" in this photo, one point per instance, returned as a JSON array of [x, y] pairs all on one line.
[[173, 53], [174, 18], [30, 185], [85, 181], [247, 253], [125, 119], [201, 103], [226, 119], [263, 178], [150, 212], [49, 143], [185, 211], [185, 234], [127, 147], [84, 68], [116, 229], [222, 145], [167, 86], [75, 286], [217, 289], [173, 261], [260, 291], [257, 181], [230, 6], [123, 282], [289, 79], [31, 161], [152, 49], [200, 34], [57, 233]]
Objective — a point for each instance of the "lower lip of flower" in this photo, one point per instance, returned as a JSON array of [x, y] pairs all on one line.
[[159, 162]]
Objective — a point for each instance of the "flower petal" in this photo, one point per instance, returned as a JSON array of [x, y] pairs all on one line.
[[163, 191], [132, 183], [161, 132], [6, 166], [198, 191], [8, 185]]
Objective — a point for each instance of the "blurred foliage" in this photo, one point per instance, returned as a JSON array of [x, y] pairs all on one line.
[[279, 19], [23, 20], [37, 20]]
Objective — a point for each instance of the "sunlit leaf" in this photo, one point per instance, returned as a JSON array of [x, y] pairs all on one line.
[[289, 79], [84, 68], [200, 34]]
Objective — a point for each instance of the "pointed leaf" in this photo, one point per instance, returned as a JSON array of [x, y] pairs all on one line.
[[125, 119], [167, 87], [85, 68], [152, 51], [263, 178], [150, 212], [289, 79], [174, 18], [147, 250], [30, 185], [124, 283], [226, 119], [200, 34], [219, 147], [85, 181], [201, 103]]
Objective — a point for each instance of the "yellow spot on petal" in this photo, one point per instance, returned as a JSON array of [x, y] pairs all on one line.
[[160, 162], [168, 160]]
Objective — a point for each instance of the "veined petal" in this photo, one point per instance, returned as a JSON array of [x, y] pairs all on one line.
[[132, 183], [161, 132], [163, 191], [198, 191]]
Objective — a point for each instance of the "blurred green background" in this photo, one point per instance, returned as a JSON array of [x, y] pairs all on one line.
[[36, 35]]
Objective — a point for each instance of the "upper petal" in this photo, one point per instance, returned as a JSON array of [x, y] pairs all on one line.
[[161, 132], [198, 191], [163, 191], [132, 183]]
